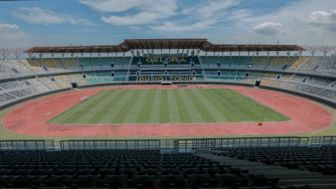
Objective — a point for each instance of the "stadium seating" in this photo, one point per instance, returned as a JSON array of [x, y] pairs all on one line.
[[13, 68], [120, 169], [229, 168], [316, 159], [313, 76], [12, 91]]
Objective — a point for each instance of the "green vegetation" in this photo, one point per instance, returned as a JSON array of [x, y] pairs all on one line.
[[167, 106]]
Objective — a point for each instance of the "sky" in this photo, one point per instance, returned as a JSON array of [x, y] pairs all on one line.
[[89, 22]]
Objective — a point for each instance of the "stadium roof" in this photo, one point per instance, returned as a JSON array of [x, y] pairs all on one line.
[[134, 44], [165, 43]]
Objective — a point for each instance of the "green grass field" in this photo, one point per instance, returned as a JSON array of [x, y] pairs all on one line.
[[167, 106]]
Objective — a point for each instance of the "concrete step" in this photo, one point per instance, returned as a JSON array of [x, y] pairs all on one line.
[[288, 177], [306, 181], [322, 186], [282, 172], [298, 176]]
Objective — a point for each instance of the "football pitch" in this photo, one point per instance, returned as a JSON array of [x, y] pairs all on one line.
[[167, 106]]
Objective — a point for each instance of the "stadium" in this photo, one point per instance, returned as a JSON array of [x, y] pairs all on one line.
[[169, 88], [167, 113]]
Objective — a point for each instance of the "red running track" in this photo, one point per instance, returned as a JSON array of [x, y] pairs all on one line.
[[30, 118]]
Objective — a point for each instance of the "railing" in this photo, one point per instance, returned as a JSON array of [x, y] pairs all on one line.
[[27, 145], [323, 141], [109, 144], [177, 145], [244, 142]]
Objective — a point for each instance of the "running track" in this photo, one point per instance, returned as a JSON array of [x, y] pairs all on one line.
[[30, 118]]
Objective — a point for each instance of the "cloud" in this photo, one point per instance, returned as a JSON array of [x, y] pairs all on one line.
[[112, 5], [322, 18], [135, 12], [267, 28], [36, 15], [214, 7], [301, 23], [137, 19], [5, 27], [202, 16], [216, 10], [173, 27], [12, 36]]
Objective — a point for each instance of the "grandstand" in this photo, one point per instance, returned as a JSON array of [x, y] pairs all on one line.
[[48, 69], [244, 163], [56, 157]]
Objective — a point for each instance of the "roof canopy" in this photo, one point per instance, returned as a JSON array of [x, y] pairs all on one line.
[[134, 44], [78, 49], [165, 43]]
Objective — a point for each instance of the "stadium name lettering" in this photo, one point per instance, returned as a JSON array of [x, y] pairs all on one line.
[[171, 59], [163, 78]]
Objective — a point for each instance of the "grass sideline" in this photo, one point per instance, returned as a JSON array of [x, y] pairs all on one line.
[[167, 106]]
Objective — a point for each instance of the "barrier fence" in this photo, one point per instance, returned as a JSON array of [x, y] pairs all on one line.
[[243, 142], [109, 144], [27, 144], [178, 145]]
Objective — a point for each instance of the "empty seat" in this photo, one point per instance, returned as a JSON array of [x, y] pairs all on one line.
[[86, 180], [142, 181], [172, 181], [201, 180], [114, 181], [231, 180], [261, 180]]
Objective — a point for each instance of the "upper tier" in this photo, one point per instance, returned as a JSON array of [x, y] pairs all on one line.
[[136, 44]]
